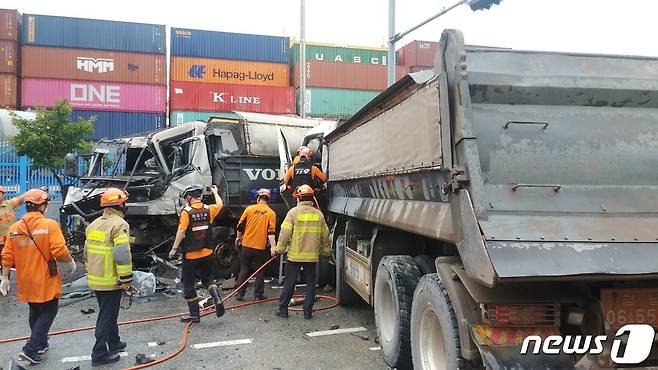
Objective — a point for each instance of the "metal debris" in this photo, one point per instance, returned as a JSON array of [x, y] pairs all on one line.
[[141, 359]]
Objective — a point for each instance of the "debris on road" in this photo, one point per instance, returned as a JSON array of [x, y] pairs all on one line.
[[334, 327], [88, 311], [141, 359]]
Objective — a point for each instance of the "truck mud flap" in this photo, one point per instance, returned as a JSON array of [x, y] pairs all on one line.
[[510, 357]]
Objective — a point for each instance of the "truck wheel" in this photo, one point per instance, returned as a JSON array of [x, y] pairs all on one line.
[[345, 294], [396, 280], [227, 258], [435, 338]]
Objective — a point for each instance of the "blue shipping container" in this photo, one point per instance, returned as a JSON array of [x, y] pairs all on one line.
[[92, 34], [231, 46], [118, 124]]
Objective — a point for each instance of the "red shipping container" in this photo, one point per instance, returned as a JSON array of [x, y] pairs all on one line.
[[94, 95], [9, 24], [8, 57], [8, 88], [350, 76], [92, 65], [418, 53], [211, 97]]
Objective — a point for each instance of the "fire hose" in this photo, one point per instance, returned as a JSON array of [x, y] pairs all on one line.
[[186, 329]]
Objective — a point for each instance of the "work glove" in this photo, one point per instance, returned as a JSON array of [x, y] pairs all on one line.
[[4, 286], [172, 254], [72, 266]]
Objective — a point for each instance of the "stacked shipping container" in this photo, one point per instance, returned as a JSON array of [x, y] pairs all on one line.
[[340, 79], [418, 55], [9, 57], [115, 71], [224, 72]]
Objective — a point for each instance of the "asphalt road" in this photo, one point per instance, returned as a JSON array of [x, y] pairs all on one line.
[[249, 338]]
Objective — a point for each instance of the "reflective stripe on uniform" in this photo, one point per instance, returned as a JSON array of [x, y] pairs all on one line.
[[101, 281], [124, 269], [40, 232], [96, 236], [121, 239], [286, 225], [199, 228], [308, 217]]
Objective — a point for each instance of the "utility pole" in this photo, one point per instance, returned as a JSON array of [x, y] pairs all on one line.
[[302, 60], [395, 37], [390, 60]]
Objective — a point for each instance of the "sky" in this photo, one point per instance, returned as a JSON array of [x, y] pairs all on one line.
[[592, 26]]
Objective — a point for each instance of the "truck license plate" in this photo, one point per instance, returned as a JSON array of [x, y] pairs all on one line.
[[630, 306]]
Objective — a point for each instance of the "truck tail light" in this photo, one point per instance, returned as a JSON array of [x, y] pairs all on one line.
[[534, 315]]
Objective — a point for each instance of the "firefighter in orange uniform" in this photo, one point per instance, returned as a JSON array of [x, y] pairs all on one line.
[[303, 172], [256, 229], [34, 245], [195, 236]]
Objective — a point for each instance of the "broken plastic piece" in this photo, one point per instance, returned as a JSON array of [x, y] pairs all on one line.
[[87, 311], [141, 359]]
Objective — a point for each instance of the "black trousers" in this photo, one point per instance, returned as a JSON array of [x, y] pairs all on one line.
[[41, 317], [291, 274], [107, 329], [250, 260], [192, 269]]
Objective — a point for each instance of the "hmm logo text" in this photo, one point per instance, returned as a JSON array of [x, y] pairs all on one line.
[[100, 65], [638, 344]]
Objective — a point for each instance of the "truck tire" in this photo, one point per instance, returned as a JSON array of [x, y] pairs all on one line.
[[435, 340], [345, 294], [396, 281], [227, 261]]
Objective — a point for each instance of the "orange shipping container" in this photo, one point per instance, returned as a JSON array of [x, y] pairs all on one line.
[[92, 65], [235, 72], [8, 94], [350, 76], [8, 57]]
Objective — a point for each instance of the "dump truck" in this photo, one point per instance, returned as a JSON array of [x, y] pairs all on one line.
[[239, 153], [506, 199]]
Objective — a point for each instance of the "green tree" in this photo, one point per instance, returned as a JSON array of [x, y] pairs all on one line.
[[51, 135]]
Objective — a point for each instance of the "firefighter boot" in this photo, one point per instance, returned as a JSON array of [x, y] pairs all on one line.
[[194, 316], [217, 298]]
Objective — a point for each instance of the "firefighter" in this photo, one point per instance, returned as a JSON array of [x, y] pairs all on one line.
[[303, 172], [304, 235], [109, 272], [256, 228], [34, 245], [7, 214], [195, 236]]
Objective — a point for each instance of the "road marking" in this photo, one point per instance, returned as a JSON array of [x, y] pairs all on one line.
[[376, 348], [153, 344], [336, 331], [86, 358], [221, 344]]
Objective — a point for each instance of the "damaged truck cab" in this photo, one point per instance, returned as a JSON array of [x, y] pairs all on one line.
[[240, 155], [505, 194]]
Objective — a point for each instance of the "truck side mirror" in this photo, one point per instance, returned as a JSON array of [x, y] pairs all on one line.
[[71, 165]]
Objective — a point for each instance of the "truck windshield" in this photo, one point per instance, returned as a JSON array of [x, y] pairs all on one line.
[[119, 159]]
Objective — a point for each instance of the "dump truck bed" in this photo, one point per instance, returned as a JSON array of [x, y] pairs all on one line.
[[548, 162]]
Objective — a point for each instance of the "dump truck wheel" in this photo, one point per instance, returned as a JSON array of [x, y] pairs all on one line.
[[435, 338], [396, 281], [345, 294]]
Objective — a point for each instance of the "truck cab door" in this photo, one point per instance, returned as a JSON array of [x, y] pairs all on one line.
[[285, 161]]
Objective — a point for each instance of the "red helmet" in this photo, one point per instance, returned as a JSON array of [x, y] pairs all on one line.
[[304, 151], [36, 196], [264, 193], [304, 191], [113, 197], [2, 189]]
